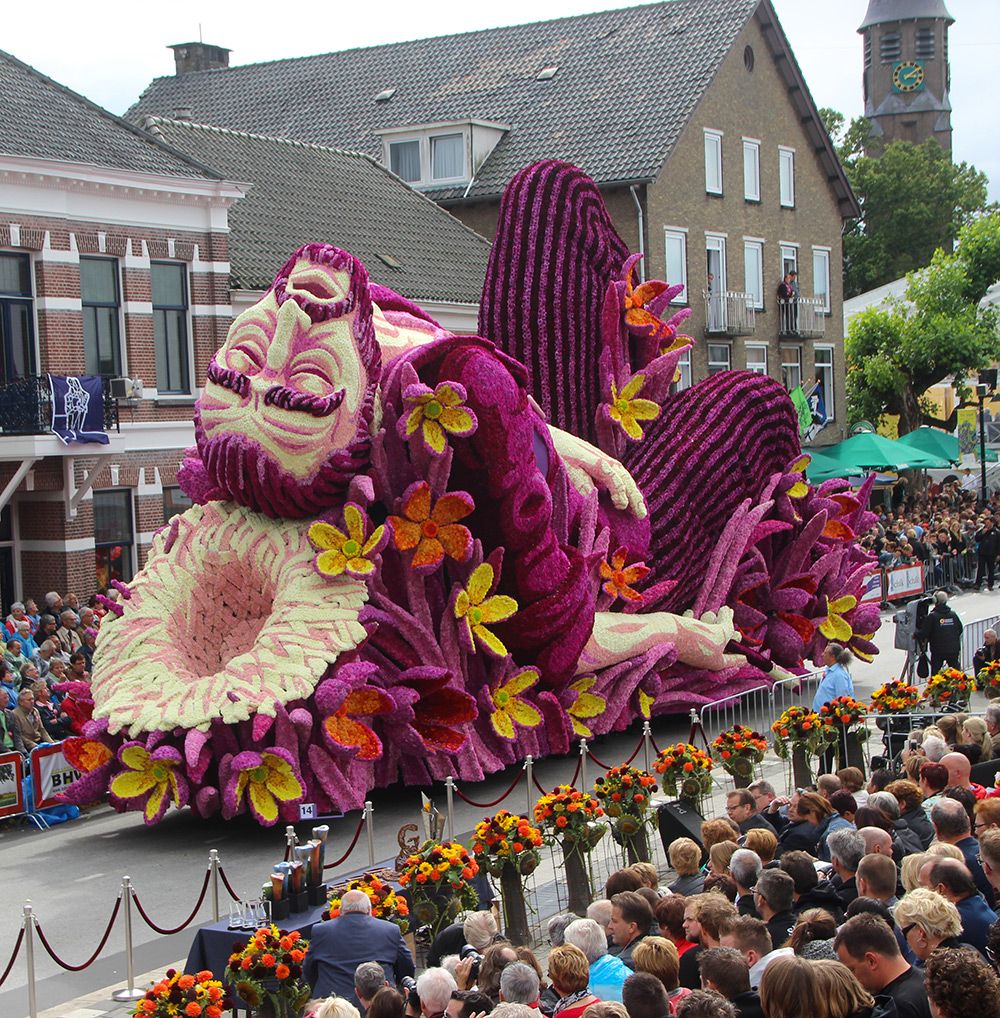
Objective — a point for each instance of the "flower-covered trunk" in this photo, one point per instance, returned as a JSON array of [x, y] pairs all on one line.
[[801, 769], [637, 845], [515, 913], [577, 878]]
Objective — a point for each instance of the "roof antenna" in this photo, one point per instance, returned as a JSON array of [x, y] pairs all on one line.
[[200, 39]]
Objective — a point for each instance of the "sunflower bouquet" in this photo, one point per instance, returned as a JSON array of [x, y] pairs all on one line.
[[438, 876], [739, 749], [988, 678], [948, 688], [799, 728], [895, 697], [181, 994], [386, 902], [269, 968], [685, 770], [507, 838]]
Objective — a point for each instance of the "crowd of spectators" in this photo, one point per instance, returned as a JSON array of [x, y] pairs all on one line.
[[45, 653]]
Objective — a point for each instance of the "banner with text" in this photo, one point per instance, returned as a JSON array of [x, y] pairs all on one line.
[[50, 774]]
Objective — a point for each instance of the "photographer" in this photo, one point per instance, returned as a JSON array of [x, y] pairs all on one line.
[[477, 932]]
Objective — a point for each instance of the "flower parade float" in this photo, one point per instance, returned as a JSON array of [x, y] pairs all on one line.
[[415, 554]]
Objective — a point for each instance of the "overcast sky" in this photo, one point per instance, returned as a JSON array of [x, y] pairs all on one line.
[[110, 50]]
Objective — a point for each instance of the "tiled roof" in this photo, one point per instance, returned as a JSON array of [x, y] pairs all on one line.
[[42, 119], [302, 193], [627, 82]]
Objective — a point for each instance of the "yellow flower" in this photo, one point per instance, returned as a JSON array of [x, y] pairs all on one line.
[[348, 552], [645, 703], [477, 610], [510, 709], [153, 773], [270, 780], [586, 705], [799, 489], [436, 411], [836, 627], [628, 411]]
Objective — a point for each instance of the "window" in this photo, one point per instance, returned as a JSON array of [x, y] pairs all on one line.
[[113, 536], [751, 170], [404, 160], [924, 48], [676, 257], [174, 503], [447, 157], [789, 259], [715, 288], [786, 177], [890, 47], [101, 335], [791, 367], [684, 369], [713, 162], [719, 357], [753, 271], [824, 381], [757, 358], [170, 327], [821, 276], [17, 328]]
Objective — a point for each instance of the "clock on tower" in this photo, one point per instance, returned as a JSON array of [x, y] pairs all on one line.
[[908, 76]]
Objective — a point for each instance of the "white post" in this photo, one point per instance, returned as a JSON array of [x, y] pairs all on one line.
[[583, 764], [130, 992], [370, 831], [28, 925], [213, 868], [449, 787], [290, 842], [529, 764], [647, 745]]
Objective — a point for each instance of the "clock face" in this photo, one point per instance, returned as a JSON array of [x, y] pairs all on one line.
[[908, 76]]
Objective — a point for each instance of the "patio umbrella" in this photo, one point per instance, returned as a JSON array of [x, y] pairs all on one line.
[[933, 441], [874, 452]]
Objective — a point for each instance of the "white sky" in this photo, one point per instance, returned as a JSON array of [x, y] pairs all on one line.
[[110, 50]]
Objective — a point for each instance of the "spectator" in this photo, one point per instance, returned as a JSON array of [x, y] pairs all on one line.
[[750, 937], [989, 651], [706, 1004], [853, 780], [926, 921], [495, 959], [725, 970], [992, 718], [973, 732], [644, 996], [547, 998], [685, 859], [369, 978], [960, 984], [621, 880], [876, 878], [600, 912], [839, 992], [845, 807], [478, 930], [951, 826], [868, 947], [647, 874], [434, 988], [569, 974], [763, 794], [8, 684], [910, 800], [43, 657], [658, 956], [519, 984], [741, 809], [941, 632], [714, 831], [31, 613], [605, 1009], [463, 1004], [745, 867], [335, 1007], [78, 668], [846, 850], [389, 1003], [14, 657], [810, 891], [89, 646], [813, 935], [631, 918], [773, 897], [56, 722], [904, 839], [23, 636], [26, 719], [933, 782], [952, 880], [719, 877], [763, 843], [47, 628], [987, 549], [827, 784], [10, 734], [989, 855], [607, 972], [669, 914], [557, 928]]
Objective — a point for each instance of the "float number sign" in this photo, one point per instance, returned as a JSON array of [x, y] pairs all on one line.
[[51, 774]]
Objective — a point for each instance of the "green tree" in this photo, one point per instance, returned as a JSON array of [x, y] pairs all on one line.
[[848, 139], [896, 352]]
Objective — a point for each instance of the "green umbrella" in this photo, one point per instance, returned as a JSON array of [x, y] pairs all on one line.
[[874, 452], [822, 468], [933, 441]]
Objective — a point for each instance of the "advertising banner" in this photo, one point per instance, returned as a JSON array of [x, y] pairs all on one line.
[[11, 789], [904, 581], [50, 775]]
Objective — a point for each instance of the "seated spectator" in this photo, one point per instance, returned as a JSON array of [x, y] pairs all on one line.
[[631, 918], [621, 880], [852, 779], [9, 685], [669, 914], [547, 998], [26, 719], [846, 850], [644, 996], [878, 841], [952, 880], [934, 748], [974, 733], [810, 891], [951, 826], [647, 874], [44, 656], [987, 817], [877, 878], [813, 935], [31, 613], [763, 843], [741, 808], [369, 978], [807, 816], [67, 635], [966, 797], [989, 856], [14, 657], [773, 897], [844, 807], [606, 1009], [607, 972], [926, 921], [56, 722], [89, 646], [763, 794], [600, 912], [719, 877], [959, 767], [57, 671], [47, 627], [495, 959], [478, 930], [909, 872], [335, 1007], [569, 973], [463, 1004], [910, 800], [658, 956], [10, 734], [389, 1003], [750, 937], [745, 868], [685, 859], [960, 983], [78, 668], [23, 636], [434, 988], [714, 831], [992, 719], [841, 995], [933, 782], [725, 970], [557, 924], [827, 784], [706, 1004], [519, 984]]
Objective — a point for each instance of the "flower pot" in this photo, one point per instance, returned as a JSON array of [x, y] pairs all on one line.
[[741, 771], [577, 878], [631, 833], [515, 913], [851, 750], [801, 768], [273, 1006]]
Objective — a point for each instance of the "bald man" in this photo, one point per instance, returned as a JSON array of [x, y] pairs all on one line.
[[877, 841], [959, 769]]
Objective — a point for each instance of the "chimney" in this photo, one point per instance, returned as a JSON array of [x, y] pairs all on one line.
[[198, 56]]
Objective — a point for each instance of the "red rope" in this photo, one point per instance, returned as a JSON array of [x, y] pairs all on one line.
[[228, 886], [606, 767], [495, 802], [90, 961], [13, 956], [635, 753], [544, 791], [350, 847], [187, 922], [576, 773]]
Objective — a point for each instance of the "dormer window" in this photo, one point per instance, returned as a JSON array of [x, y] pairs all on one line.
[[438, 155]]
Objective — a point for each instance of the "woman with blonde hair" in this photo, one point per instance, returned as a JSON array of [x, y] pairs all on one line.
[[909, 870], [685, 858], [763, 842], [788, 989], [569, 973], [714, 831], [719, 877], [839, 992], [974, 733], [658, 956]]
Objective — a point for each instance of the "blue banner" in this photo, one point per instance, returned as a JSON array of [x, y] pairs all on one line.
[[78, 408]]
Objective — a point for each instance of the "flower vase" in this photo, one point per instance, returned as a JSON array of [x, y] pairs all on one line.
[[741, 771], [272, 1006], [801, 771], [851, 750], [515, 913], [577, 878], [637, 845]]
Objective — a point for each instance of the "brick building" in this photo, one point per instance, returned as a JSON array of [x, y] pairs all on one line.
[[692, 116]]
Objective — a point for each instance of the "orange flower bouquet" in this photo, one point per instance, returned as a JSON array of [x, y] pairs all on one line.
[[438, 876], [386, 902], [269, 968], [739, 749], [572, 819], [949, 689], [799, 728], [989, 679], [625, 793], [845, 714], [686, 770], [895, 697], [179, 995]]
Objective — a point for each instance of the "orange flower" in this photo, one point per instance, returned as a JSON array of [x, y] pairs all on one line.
[[246, 963], [282, 972], [286, 943], [619, 577], [214, 992], [213, 1012], [267, 961], [149, 1006], [185, 982], [298, 956], [294, 936], [193, 1010]]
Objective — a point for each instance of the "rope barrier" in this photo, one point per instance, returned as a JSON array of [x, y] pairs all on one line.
[[350, 847], [605, 766], [635, 753], [544, 791], [13, 956], [576, 773], [187, 922], [228, 886], [495, 802], [90, 961]]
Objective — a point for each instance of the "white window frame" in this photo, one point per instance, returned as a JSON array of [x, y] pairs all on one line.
[[754, 286], [790, 252], [751, 181], [821, 257], [829, 395], [713, 160], [686, 379], [715, 366], [424, 140], [676, 233], [791, 357], [756, 364], [171, 394], [786, 177], [120, 277]]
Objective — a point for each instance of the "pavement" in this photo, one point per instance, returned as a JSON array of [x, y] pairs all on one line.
[[73, 872]]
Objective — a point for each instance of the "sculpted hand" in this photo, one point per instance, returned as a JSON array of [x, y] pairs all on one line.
[[589, 468]]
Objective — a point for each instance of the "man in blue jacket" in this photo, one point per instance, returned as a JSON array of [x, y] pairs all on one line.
[[337, 947], [952, 880]]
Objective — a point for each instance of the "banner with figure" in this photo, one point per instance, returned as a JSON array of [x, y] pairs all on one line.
[[78, 408], [11, 789]]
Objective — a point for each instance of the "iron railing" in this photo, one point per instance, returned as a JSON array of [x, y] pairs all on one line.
[[26, 406], [729, 314], [804, 318]]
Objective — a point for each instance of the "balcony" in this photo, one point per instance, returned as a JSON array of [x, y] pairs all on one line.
[[804, 318], [729, 314], [26, 407]]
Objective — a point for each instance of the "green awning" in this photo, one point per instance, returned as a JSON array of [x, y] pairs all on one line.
[[862, 453], [933, 441]]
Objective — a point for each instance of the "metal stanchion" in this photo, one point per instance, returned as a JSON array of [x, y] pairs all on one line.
[[449, 787], [213, 868], [583, 763], [28, 925], [647, 745], [370, 831], [129, 992], [529, 764]]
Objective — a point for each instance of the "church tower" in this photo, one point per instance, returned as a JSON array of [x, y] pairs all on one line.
[[906, 72]]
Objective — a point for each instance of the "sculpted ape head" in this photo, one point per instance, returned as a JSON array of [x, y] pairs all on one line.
[[285, 418]]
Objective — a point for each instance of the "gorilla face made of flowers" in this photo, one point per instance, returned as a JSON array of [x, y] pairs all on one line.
[[285, 419]]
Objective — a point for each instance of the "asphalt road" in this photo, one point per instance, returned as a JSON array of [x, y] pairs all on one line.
[[72, 873]]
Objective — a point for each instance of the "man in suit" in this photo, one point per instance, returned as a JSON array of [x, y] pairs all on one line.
[[338, 946]]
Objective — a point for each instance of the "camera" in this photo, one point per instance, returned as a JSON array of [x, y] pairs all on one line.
[[468, 951], [408, 986]]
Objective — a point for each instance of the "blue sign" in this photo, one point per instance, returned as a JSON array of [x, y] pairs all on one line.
[[78, 408]]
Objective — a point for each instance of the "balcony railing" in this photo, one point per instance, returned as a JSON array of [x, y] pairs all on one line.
[[26, 407], [805, 318], [729, 314]]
